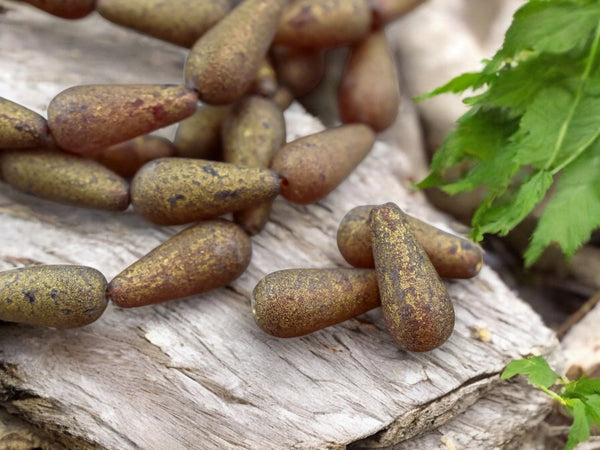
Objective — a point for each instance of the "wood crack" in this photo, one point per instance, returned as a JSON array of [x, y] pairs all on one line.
[[427, 416]]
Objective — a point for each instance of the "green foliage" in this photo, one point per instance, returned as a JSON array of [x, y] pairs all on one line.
[[581, 398], [539, 373], [533, 130]]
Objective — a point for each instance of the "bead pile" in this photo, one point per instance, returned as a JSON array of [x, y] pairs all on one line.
[[246, 64]]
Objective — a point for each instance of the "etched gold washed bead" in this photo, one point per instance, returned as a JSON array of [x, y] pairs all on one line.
[[181, 22], [202, 257], [451, 255], [252, 133], [294, 302], [224, 62], [58, 296], [20, 127], [64, 178], [313, 166], [416, 307], [86, 119], [172, 191]]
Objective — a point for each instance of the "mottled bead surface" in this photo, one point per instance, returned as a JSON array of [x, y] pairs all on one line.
[[295, 302], [64, 178], [452, 256], [59, 296], [252, 133], [223, 63], [202, 257], [85, 119], [171, 191], [326, 23], [313, 166], [199, 136], [127, 157], [417, 309], [181, 22], [20, 127]]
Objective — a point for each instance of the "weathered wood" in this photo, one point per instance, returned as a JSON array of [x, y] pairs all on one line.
[[197, 371], [16, 434], [500, 419], [580, 342]]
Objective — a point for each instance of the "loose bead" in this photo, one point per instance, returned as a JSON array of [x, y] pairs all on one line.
[[181, 22], [67, 9], [299, 69], [127, 157], [172, 191], [452, 256], [202, 257], [20, 127], [323, 23], [313, 166], [199, 136], [369, 91], [223, 63], [252, 133], [58, 296], [64, 178], [295, 302], [416, 307], [86, 119]]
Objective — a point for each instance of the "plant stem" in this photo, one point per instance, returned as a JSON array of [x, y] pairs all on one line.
[[554, 395], [578, 96]]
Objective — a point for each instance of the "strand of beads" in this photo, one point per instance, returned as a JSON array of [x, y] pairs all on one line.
[[227, 63]]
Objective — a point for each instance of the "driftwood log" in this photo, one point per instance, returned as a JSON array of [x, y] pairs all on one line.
[[197, 372]]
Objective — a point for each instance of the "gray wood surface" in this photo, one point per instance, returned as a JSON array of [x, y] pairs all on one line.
[[197, 372], [503, 418]]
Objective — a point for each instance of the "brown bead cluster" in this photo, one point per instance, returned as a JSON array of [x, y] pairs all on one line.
[[246, 64], [398, 262]]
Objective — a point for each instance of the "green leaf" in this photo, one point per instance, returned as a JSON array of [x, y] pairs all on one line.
[[539, 115], [581, 398], [480, 133], [487, 173], [583, 385], [516, 88], [588, 391], [542, 125], [573, 211], [556, 126], [539, 373], [592, 408], [503, 216], [469, 80], [580, 429], [551, 27], [583, 129]]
